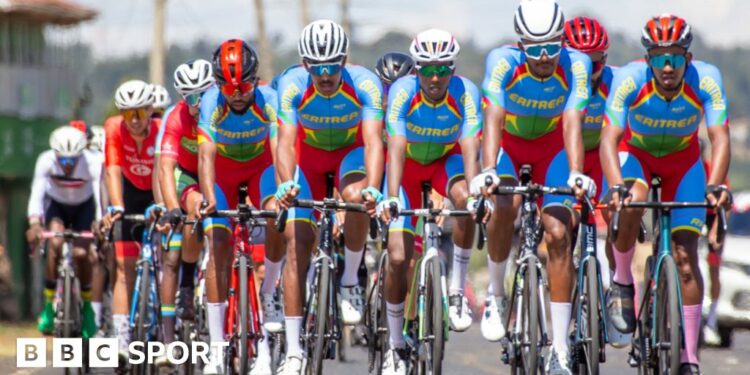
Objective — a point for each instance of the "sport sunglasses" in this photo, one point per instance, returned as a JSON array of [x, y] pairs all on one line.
[[439, 70], [661, 61], [193, 100], [535, 51], [327, 68], [67, 161], [131, 114], [229, 89]]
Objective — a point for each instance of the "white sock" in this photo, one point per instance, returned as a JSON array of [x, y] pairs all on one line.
[[121, 323], [293, 327], [395, 313], [497, 277], [560, 312], [97, 307], [712, 315], [216, 313], [264, 353], [461, 258], [352, 260], [271, 278]]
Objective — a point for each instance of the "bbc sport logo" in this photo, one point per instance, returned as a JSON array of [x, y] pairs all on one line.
[[102, 352]]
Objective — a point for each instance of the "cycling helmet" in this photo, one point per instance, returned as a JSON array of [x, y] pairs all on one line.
[[234, 62], [434, 45], [323, 40], [81, 125], [134, 94], [67, 141], [97, 141], [393, 65], [539, 20], [161, 97], [586, 35], [665, 31], [193, 77]]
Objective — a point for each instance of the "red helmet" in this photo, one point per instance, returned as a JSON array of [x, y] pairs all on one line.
[[665, 31], [586, 35], [81, 125], [234, 62]]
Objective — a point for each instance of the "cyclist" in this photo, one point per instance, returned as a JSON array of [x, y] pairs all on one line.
[[178, 170], [236, 137], [129, 157], [390, 67], [162, 100], [535, 94], [65, 195], [337, 109], [657, 105], [433, 119]]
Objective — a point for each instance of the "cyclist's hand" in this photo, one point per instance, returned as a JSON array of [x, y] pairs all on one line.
[[286, 193], [478, 184], [372, 197], [617, 191], [582, 184], [384, 209], [154, 212], [114, 213], [718, 196], [206, 207], [473, 204], [34, 234], [438, 202]]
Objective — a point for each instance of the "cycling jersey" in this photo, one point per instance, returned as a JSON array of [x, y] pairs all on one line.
[[330, 123], [656, 125], [180, 141], [593, 115], [162, 128], [433, 130], [136, 164], [51, 185], [533, 132], [535, 106]]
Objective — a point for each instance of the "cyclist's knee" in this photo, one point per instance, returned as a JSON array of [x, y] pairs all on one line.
[[557, 239], [171, 260], [351, 193]]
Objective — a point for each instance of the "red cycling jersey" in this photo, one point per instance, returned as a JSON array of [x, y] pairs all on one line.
[[180, 141], [121, 150]]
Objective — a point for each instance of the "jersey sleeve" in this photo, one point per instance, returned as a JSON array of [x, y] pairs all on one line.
[[399, 96], [113, 155], [41, 175], [621, 96], [713, 96], [95, 171], [211, 111], [370, 93], [472, 124], [289, 93], [171, 136], [580, 88], [162, 127], [498, 70]]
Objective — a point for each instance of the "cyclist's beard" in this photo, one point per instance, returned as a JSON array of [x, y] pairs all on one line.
[[244, 107], [667, 89]]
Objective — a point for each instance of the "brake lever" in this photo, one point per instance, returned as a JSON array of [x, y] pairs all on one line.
[[280, 222]]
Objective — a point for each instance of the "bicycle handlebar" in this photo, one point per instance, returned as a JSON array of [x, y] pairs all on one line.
[[68, 235], [327, 204], [434, 212]]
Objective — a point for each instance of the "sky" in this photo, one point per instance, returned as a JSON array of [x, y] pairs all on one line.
[[125, 27]]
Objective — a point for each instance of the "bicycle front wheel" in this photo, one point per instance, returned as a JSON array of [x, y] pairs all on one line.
[[141, 319], [530, 337], [317, 319], [242, 318], [668, 341], [434, 319], [590, 321]]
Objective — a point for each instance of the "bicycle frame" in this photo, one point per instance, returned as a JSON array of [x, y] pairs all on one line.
[[588, 254], [241, 238], [148, 261]]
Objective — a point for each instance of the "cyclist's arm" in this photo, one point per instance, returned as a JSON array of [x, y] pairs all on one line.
[[168, 185], [572, 117], [720, 154], [95, 170], [498, 70], [494, 124], [372, 132], [169, 151], [715, 110], [36, 198], [286, 152], [396, 156], [155, 183], [113, 180], [573, 138], [206, 168], [470, 132]]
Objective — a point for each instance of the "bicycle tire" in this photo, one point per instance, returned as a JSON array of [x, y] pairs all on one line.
[[318, 341], [668, 319], [278, 349], [382, 331], [530, 311], [592, 335], [243, 318], [188, 368], [140, 320], [376, 322], [67, 318], [436, 326]]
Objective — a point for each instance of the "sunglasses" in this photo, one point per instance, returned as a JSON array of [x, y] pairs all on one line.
[[229, 89], [67, 161], [327, 68], [661, 61], [193, 100], [438, 70], [131, 114], [536, 51]]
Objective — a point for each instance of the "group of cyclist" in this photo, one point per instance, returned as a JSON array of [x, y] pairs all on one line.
[[549, 101]]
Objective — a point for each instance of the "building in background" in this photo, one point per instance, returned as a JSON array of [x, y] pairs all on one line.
[[39, 89]]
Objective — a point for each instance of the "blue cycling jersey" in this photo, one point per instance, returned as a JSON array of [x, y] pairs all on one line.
[[593, 116]]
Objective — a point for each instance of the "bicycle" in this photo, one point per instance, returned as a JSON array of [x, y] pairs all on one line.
[[658, 337], [426, 336], [526, 338], [68, 306], [242, 320], [376, 320]]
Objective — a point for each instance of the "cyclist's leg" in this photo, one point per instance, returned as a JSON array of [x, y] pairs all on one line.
[[688, 186], [300, 239], [190, 253], [218, 234], [273, 261], [46, 321], [715, 247], [82, 217]]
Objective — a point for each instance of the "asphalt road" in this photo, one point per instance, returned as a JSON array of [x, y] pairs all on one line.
[[468, 353]]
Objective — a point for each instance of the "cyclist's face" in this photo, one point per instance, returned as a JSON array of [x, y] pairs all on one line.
[[137, 119], [543, 66], [434, 79], [326, 76], [238, 101], [668, 76]]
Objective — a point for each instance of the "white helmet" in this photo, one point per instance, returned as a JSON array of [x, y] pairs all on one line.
[[161, 96], [134, 94], [67, 141], [539, 20], [434, 45], [323, 40], [193, 77], [97, 141]]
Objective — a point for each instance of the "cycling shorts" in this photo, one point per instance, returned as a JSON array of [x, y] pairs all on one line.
[[127, 234], [77, 217]]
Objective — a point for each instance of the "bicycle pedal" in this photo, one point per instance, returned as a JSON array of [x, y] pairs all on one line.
[[633, 361], [504, 357]]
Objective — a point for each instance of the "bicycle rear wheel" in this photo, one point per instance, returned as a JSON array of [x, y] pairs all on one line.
[[377, 321], [434, 319], [530, 337], [668, 340], [590, 321], [317, 318], [141, 321]]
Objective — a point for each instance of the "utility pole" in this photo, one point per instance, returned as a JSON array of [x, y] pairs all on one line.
[[264, 49], [304, 12], [346, 21], [156, 63]]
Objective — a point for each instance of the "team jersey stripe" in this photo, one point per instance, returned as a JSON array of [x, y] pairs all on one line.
[[691, 97], [646, 92], [307, 97], [350, 93], [560, 77], [453, 106], [258, 112]]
